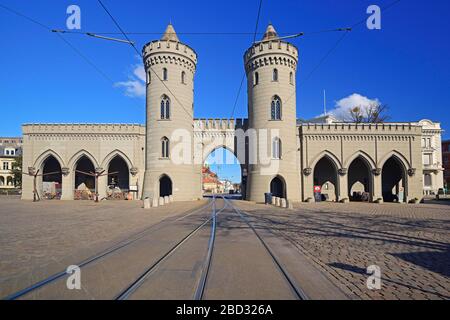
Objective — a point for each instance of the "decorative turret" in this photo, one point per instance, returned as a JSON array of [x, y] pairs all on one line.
[[270, 65], [270, 33], [170, 67], [170, 34]]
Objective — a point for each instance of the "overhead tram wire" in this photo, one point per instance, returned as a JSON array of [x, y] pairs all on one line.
[[295, 35], [281, 34], [243, 76], [338, 42], [140, 54], [328, 53], [75, 49]]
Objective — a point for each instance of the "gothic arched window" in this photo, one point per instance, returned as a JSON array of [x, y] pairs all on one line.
[[256, 78], [291, 78], [276, 148], [183, 77], [164, 147], [165, 76], [149, 77], [275, 108], [165, 107], [275, 75]]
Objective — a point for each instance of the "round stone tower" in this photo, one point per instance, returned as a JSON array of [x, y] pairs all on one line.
[[271, 66], [170, 67]]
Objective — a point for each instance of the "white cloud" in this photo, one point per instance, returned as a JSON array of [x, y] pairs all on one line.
[[135, 86], [139, 72], [342, 108]]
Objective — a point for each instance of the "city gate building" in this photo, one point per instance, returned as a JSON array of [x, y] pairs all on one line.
[[399, 161]]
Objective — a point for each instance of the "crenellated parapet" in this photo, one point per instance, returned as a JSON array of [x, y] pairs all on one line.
[[220, 124], [360, 131], [169, 52], [82, 128], [271, 53]]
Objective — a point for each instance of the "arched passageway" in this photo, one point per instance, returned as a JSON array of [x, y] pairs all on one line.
[[165, 186], [118, 174], [51, 179], [222, 173], [359, 181], [278, 187], [118, 179], [84, 183], [326, 176], [394, 184]]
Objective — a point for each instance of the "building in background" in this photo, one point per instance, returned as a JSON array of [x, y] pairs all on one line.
[[446, 162], [10, 149], [210, 182], [227, 186], [433, 171]]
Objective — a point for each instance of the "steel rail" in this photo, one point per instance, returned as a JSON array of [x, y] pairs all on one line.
[[102, 254], [300, 294], [135, 285], [207, 264]]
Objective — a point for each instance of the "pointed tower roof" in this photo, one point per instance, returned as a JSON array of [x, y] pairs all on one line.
[[170, 34], [270, 33]]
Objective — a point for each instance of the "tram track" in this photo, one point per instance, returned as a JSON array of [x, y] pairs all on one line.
[[140, 280], [296, 289], [112, 249], [155, 270]]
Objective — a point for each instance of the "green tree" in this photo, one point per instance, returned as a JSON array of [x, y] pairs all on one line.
[[17, 171]]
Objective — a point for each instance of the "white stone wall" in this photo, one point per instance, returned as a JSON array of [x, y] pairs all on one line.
[[374, 143], [69, 142]]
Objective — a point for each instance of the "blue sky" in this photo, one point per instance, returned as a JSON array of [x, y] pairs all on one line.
[[405, 65]]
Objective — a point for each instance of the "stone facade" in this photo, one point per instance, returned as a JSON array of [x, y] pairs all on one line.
[[10, 149], [433, 171], [69, 143], [349, 161]]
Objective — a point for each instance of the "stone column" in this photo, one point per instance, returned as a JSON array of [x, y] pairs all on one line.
[[343, 185], [67, 184], [102, 184], [377, 185], [308, 184]]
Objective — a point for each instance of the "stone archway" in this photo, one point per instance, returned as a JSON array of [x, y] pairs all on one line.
[[222, 172], [165, 186], [394, 180], [51, 178], [84, 183], [119, 174], [278, 187], [326, 176], [360, 184]]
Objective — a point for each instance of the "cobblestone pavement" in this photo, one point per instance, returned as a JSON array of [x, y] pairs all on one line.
[[40, 239], [410, 243]]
